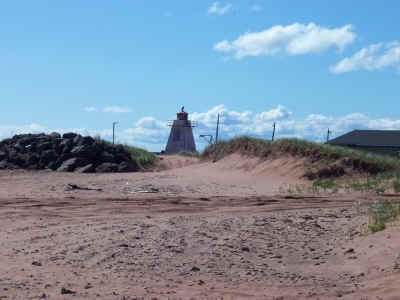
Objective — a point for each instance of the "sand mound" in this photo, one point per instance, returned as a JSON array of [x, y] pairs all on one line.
[[168, 162], [320, 161]]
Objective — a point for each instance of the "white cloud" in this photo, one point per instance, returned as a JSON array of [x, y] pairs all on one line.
[[117, 109], [278, 113], [230, 117], [295, 39], [217, 9], [91, 109], [109, 109], [148, 130], [256, 8], [152, 134], [312, 127], [374, 57]]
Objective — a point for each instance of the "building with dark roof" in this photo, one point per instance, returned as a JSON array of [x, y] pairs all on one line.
[[385, 142]]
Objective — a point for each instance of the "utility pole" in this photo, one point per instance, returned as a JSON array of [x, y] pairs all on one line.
[[327, 135], [217, 131], [114, 123], [273, 131]]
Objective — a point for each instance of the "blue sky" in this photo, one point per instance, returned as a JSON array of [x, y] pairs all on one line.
[[308, 65]]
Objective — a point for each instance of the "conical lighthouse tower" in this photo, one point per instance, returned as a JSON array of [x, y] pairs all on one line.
[[181, 136]]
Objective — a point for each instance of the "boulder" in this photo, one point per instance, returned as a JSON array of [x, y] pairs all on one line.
[[65, 146], [5, 165], [71, 164], [44, 146], [47, 157], [86, 169], [68, 153], [85, 151], [3, 155], [30, 160], [55, 135], [87, 140], [76, 140], [121, 157], [126, 166], [69, 135], [107, 168], [106, 157]]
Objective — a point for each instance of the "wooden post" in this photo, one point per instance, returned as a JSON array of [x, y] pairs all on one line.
[[273, 131], [327, 135], [217, 130]]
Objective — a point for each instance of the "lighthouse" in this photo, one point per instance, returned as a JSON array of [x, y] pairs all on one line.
[[181, 136]]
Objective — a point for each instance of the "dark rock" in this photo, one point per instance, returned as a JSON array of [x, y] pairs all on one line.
[[120, 157], [5, 165], [30, 160], [55, 135], [65, 146], [76, 140], [106, 157], [25, 140], [107, 168], [245, 249], [65, 291], [85, 151], [87, 140], [86, 169], [350, 250], [36, 263], [127, 166], [17, 158], [69, 135], [47, 157], [19, 147], [3, 155], [71, 164], [195, 269], [44, 146], [69, 153]]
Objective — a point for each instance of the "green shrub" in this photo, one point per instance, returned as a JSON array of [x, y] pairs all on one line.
[[141, 156], [396, 185], [377, 227], [325, 184], [381, 213], [189, 154]]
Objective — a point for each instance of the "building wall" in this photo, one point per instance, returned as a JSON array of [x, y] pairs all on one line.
[[181, 138]]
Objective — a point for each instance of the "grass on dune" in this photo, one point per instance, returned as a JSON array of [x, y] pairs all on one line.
[[142, 157], [189, 154], [262, 148], [381, 213]]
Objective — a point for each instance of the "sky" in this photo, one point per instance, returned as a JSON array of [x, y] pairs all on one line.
[[306, 65]]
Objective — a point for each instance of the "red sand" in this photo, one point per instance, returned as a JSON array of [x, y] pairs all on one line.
[[202, 231]]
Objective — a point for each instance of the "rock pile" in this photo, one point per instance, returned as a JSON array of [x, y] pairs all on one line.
[[67, 153]]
